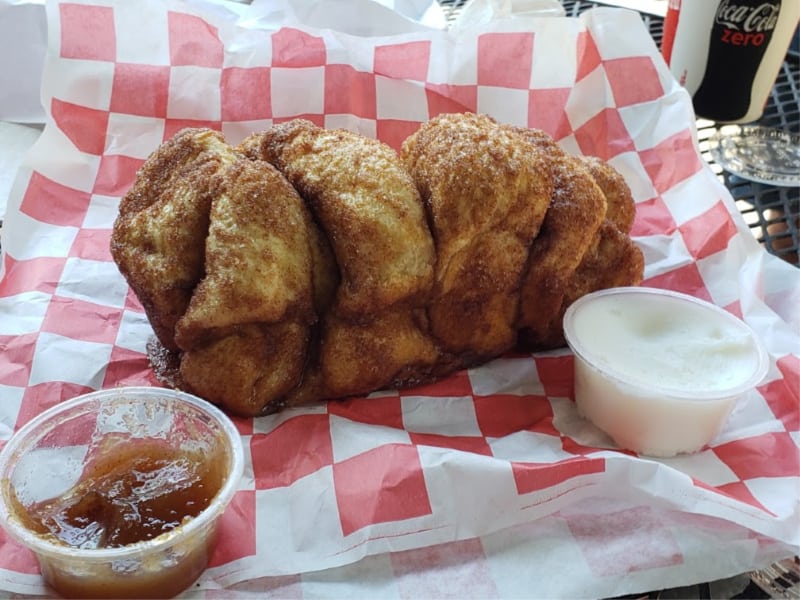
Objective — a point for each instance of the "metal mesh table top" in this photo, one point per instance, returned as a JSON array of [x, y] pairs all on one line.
[[771, 212]]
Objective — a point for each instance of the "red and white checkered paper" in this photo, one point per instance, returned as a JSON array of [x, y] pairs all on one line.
[[486, 484]]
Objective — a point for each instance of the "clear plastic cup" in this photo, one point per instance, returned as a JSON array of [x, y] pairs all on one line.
[[49, 455], [657, 370]]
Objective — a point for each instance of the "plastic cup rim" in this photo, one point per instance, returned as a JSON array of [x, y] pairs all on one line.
[[41, 546], [580, 352]]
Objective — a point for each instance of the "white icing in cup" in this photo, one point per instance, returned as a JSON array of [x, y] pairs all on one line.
[[659, 371]]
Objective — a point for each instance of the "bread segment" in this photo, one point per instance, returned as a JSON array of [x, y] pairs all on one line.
[[308, 264]]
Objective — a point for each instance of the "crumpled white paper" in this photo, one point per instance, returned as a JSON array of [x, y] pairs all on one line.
[[366, 17], [548, 557], [23, 28], [481, 12]]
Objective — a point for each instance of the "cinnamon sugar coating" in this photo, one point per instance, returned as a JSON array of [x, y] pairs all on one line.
[[309, 264]]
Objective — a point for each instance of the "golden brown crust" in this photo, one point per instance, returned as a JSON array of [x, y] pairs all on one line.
[[621, 209], [584, 244], [325, 271], [257, 257], [250, 370], [245, 333], [159, 236], [367, 206], [369, 211], [486, 191], [614, 261], [570, 227], [357, 358], [309, 264]]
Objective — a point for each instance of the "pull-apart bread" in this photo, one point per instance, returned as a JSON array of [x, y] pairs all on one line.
[[309, 264]]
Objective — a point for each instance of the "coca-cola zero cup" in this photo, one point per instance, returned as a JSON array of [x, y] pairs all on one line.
[[728, 53]]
